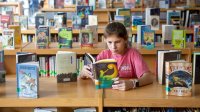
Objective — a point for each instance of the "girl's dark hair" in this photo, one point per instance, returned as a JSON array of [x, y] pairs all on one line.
[[116, 28]]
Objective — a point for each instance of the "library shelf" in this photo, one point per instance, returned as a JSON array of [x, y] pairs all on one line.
[[150, 96], [9, 3], [54, 48], [52, 94]]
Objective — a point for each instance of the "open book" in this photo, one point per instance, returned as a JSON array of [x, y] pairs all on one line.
[[104, 71]]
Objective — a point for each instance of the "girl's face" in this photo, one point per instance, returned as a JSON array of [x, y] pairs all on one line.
[[115, 44]]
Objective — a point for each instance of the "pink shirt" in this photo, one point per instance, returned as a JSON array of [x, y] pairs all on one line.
[[130, 64]]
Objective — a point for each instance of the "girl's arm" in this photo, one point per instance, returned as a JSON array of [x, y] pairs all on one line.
[[147, 78]]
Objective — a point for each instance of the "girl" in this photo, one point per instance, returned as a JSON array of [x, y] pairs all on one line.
[[129, 60]]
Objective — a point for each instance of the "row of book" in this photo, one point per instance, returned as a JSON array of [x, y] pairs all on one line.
[[177, 74], [89, 109], [149, 109]]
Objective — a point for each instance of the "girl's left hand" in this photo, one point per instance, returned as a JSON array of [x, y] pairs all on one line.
[[123, 85]]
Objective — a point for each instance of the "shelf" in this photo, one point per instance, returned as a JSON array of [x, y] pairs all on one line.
[[100, 31], [160, 46], [53, 31], [112, 9], [150, 96], [54, 48], [30, 47], [72, 94], [9, 3], [58, 10]]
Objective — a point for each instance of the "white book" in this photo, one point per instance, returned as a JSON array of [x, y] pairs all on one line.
[[147, 15], [65, 62], [8, 41], [102, 4], [155, 22], [51, 4], [92, 20], [92, 3], [162, 57], [58, 21], [167, 33], [85, 110], [45, 110], [93, 28]]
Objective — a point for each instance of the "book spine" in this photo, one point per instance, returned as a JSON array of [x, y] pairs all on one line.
[[167, 89]]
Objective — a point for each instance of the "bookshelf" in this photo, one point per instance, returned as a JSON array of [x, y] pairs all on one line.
[[17, 5], [80, 94], [61, 95], [150, 96]]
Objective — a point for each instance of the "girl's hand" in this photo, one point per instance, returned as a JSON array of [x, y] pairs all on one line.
[[123, 85], [86, 72]]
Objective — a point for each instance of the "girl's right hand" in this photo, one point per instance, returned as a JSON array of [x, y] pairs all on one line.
[[86, 72]]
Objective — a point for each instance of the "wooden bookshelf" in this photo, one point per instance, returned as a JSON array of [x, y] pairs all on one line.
[[150, 96], [17, 5], [54, 48], [72, 94], [100, 31], [9, 4], [83, 94]]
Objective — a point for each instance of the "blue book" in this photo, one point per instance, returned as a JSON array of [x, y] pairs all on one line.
[[2, 68], [148, 40], [171, 14], [28, 80], [83, 12], [136, 20]]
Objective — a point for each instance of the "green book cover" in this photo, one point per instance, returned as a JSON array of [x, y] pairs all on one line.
[[178, 38], [65, 38]]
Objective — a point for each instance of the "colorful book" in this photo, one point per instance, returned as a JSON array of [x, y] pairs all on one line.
[[178, 38], [24, 22], [83, 12], [179, 78], [8, 39], [136, 20], [148, 40], [42, 37], [196, 36], [28, 80], [93, 28], [140, 32], [104, 71], [65, 37], [172, 14], [18, 40], [127, 15], [86, 38], [5, 21]]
